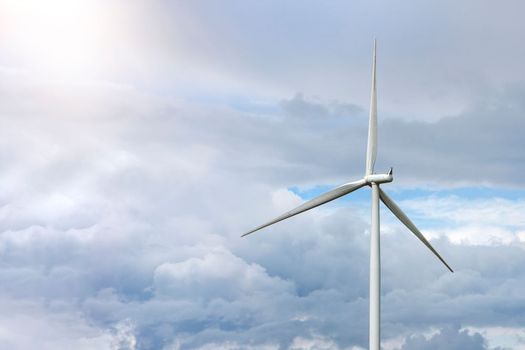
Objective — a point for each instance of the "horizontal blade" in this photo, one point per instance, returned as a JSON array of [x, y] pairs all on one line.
[[405, 220], [317, 201]]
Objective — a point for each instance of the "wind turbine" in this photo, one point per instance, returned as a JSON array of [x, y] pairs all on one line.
[[373, 180]]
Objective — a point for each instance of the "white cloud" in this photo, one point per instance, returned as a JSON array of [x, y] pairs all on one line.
[[492, 211], [477, 235], [29, 325], [124, 337], [315, 342], [505, 337], [491, 221], [450, 337], [218, 274]]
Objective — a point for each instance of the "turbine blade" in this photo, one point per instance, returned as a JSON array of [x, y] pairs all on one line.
[[409, 224], [371, 150], [317, 201]]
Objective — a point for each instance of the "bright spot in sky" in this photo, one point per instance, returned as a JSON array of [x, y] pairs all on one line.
[[60, 38]]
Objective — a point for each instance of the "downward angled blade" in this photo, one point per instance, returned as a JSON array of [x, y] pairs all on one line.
[[317, 201], [371, 150], [405, 220]]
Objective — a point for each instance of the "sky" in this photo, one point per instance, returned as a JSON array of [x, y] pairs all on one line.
[[139, 139]]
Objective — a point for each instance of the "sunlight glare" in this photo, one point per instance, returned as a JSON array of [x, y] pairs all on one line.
[[65, 38]]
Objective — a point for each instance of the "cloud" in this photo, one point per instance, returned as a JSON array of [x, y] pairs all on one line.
[[313, 343], [122, 201], [451, 337], [479, 221], [27, 324], [124, 338], [475, 147], [218, 274], [134, 224]]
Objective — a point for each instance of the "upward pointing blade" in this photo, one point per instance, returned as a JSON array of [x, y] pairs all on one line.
[[405, 220], [371, 150], [317, 201]]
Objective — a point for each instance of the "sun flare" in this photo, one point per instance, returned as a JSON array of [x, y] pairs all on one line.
[[65, 38]]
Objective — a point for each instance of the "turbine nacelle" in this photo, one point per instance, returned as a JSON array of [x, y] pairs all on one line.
[[379, 178]]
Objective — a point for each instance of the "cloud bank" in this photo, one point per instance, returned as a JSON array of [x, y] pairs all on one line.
[[123, 193]]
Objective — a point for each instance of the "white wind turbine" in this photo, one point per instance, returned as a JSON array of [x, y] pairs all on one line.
[[373, 180]]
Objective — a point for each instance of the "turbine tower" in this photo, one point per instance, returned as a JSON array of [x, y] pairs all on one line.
[[373, 180]]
